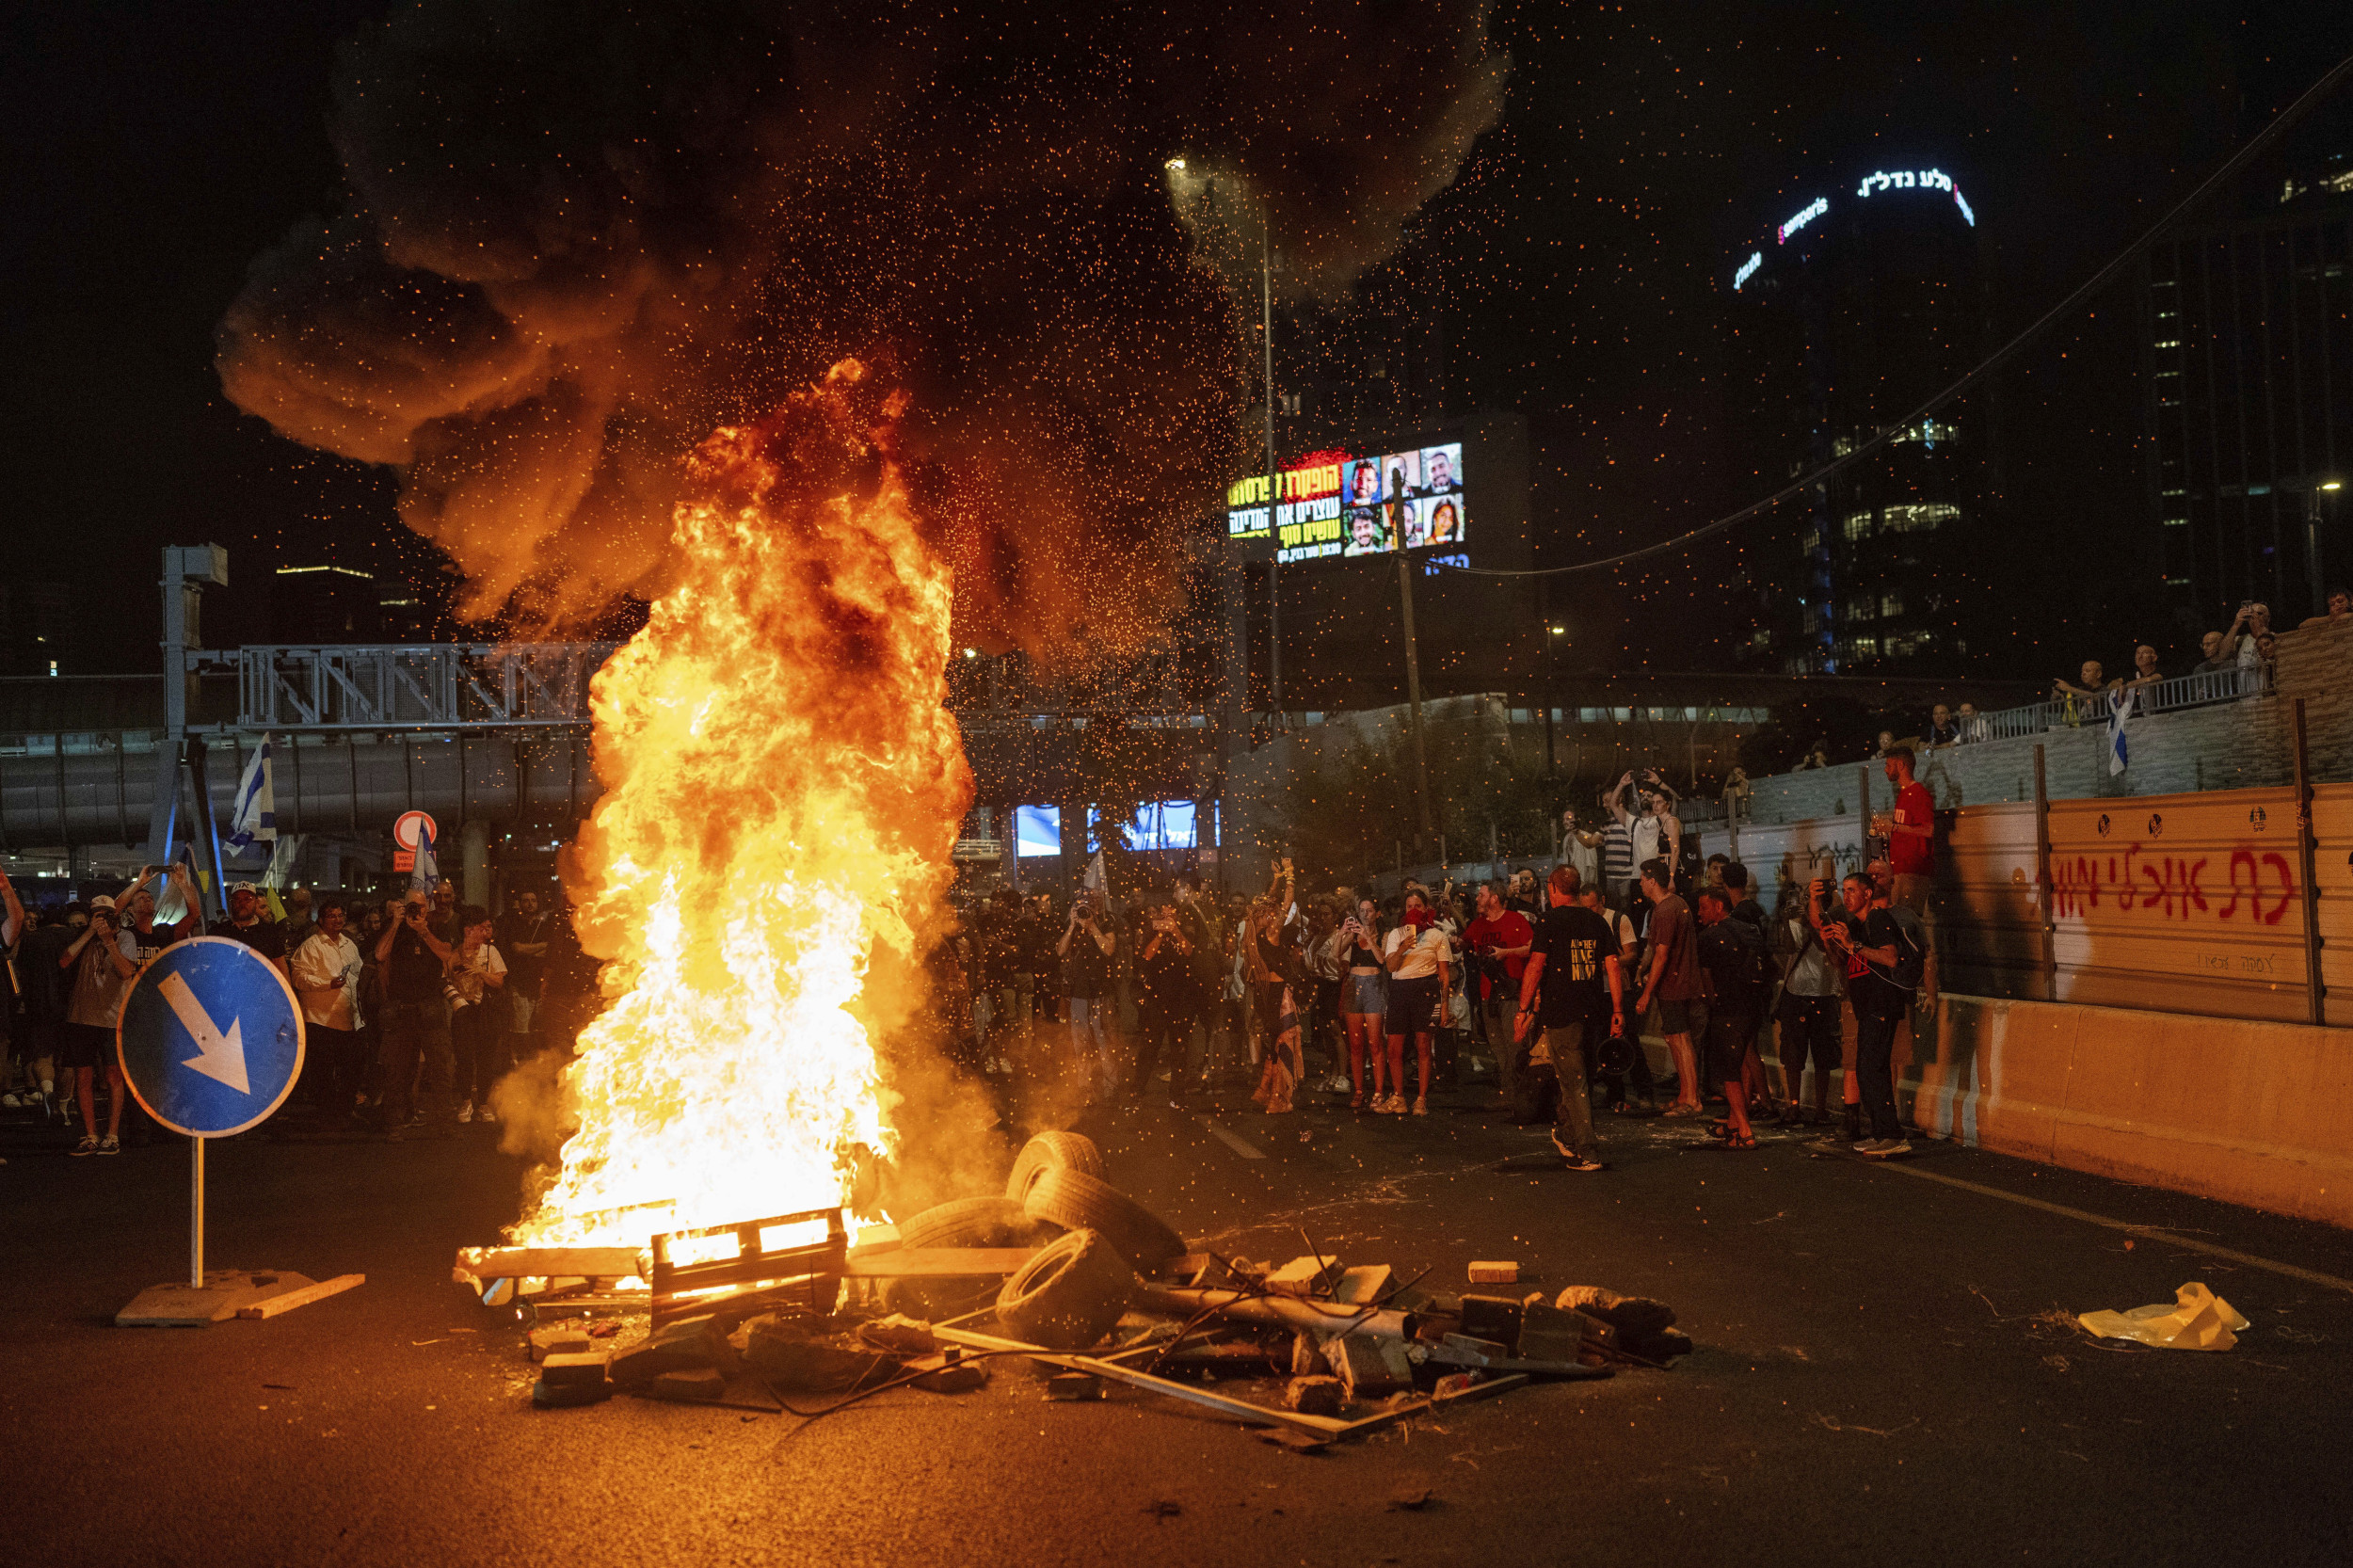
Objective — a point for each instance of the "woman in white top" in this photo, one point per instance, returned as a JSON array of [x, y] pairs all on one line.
[[1420, 961], [474, 976]]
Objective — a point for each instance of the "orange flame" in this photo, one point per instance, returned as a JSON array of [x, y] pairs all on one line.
[[785, 786]]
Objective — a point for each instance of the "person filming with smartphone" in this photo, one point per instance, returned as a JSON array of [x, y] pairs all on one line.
[[415, 1020]]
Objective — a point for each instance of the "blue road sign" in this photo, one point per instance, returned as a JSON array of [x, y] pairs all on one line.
[[210, 1038]]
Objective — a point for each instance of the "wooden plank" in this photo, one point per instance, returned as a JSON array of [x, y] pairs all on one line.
[[479, 1265], [304, 1297], [935, 1262], [224, 1293]]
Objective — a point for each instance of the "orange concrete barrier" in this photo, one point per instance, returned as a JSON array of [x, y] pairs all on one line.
[[2248, 1110]]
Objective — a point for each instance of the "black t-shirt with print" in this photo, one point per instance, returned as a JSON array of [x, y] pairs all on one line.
[[1575, 985]]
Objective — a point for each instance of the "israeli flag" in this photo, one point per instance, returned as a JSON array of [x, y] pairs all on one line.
[[255, 815], [2121, 704], [426, 872]]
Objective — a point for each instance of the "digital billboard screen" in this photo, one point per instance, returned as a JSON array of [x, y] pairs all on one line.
[[1344, 504], [1036, 830]]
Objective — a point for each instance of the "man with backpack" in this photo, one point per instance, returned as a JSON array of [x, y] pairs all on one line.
[[1732, 956], [1884, 967]]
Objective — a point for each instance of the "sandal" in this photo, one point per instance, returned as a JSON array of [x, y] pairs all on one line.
[[1358, 1103], [1739, 1140]]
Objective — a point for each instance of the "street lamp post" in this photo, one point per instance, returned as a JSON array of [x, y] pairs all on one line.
[[2312, 542]]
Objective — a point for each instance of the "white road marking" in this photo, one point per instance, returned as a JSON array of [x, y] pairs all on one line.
[[1235, 1143], [2145, 1233]]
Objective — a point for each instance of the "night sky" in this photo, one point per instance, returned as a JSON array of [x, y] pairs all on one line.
[[157, 150]]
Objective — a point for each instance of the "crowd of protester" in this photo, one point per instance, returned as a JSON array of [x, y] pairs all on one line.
[[1534, 986], [413, 1007]]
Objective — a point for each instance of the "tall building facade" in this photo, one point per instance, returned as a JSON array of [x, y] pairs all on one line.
[[1860, 303], [2248, 378]]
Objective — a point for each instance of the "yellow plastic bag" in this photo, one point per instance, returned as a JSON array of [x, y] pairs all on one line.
[[2197, 1320]]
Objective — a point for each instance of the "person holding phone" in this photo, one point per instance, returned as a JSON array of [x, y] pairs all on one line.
[[102, 960], [415, 1021], [1166, 986], [1420, 963], [1085, 949]]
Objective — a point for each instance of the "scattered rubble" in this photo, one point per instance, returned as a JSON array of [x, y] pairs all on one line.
[[1063, 1277]]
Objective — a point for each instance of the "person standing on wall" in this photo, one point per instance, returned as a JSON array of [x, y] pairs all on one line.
[[1911, 833], [1909, 829]]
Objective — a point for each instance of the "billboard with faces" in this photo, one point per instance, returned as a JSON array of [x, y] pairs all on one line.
[[1349, 506]]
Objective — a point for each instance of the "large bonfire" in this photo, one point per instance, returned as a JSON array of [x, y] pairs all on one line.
[[784, 787]]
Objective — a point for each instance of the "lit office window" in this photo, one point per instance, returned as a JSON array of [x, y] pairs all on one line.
[[1919, 516]]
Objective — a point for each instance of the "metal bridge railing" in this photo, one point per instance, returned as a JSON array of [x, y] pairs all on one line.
[[417, 685], [2165, 697]]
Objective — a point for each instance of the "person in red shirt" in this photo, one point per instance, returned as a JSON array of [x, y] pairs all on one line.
[[1501, 937], [1910, 830]]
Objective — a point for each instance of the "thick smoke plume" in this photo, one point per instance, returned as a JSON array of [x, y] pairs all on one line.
[[579, 234]]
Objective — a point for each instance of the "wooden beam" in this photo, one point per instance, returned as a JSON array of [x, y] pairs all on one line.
[[273, 1306], [896, 1262], [479, 1265]]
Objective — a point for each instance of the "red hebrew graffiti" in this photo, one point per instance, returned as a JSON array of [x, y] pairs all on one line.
[[2261, 885]]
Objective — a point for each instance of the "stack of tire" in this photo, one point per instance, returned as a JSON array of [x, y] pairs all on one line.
[[1092, 1241]]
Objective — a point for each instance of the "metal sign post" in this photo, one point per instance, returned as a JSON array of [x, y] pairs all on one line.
[[196, 1211]]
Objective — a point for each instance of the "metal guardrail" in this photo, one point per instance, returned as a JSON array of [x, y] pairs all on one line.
[[418, 686], [473, 686], [2164, 697]]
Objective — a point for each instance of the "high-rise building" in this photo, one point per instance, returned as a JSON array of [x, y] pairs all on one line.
[[1855, 307], [2247, 371]]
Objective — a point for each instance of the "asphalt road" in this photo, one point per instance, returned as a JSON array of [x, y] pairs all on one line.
[[1886, 1372]]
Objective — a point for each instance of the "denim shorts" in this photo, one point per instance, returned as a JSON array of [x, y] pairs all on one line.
[[1364, 993]]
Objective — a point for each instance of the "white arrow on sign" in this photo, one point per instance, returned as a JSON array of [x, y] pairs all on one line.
[[218, 1056]]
